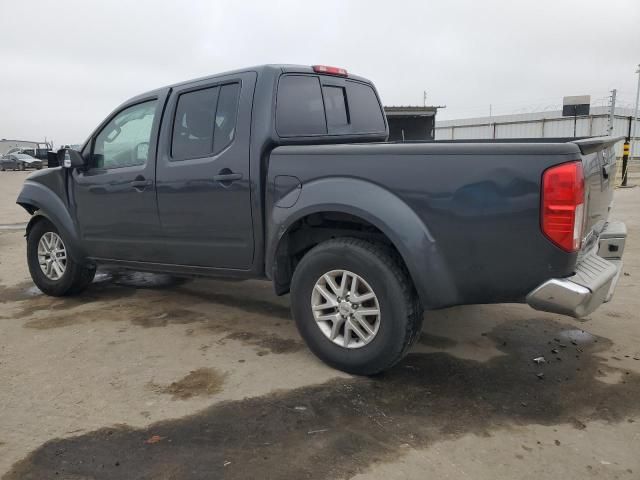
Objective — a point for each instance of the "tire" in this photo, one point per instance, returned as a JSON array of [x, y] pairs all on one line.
[[76, 277], [400, 312]]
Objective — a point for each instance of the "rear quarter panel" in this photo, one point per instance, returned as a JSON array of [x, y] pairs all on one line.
[[480, 204]]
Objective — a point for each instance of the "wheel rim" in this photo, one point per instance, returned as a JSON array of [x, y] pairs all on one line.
[[345, 308], [52, 255]]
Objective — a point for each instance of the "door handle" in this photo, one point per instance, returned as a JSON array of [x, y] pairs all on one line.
[[140, 183], [226, 176]]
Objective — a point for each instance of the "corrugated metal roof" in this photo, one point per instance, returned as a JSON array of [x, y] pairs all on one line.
[[519, 117], [410, 110]]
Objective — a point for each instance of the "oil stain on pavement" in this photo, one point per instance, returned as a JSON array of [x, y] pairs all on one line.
[[342, 427], [270, 342]]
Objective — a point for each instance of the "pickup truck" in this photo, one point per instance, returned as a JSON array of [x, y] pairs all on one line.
[[282, 172]]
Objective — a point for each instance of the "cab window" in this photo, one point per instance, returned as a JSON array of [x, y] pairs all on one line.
[[124, 141], [308, 105], [366, 114], [205, 122], [299, 109]]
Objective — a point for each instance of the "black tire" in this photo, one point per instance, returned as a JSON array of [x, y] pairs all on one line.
[[76, 277], [400, 309]]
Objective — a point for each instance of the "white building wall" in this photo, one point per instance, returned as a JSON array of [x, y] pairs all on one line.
[[6, 145], [537, 125]]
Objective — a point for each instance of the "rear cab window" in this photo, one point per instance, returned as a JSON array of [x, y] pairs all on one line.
[[321, 105], [299, 109]]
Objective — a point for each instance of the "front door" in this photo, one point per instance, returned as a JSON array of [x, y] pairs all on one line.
[[203, 182], [115, 196]]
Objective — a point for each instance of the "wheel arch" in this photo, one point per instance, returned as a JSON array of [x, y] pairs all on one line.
[[368, 211], [43, 204]]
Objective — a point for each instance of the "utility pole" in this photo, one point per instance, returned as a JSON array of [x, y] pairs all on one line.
[[424, 98], [612, 111]]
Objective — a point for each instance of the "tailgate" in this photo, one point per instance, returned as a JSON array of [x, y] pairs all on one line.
[[599, 164]]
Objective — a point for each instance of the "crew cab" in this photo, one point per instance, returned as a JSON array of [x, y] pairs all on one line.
[[283, 173]]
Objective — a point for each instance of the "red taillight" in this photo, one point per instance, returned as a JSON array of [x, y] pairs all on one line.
[[329, 70], [563, 205]]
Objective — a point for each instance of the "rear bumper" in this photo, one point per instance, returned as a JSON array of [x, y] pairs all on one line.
[[591, 285]]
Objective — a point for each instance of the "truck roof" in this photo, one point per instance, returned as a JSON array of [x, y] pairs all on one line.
[[275, 68]]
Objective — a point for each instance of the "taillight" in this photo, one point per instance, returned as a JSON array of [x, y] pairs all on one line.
[[330, 70], [563, 205]]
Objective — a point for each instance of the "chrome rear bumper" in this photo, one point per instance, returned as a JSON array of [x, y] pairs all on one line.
[[591, 285]]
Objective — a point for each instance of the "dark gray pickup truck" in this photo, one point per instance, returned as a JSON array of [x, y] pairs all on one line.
[[282, 172]]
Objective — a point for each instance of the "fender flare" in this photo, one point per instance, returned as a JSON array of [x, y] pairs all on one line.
[[43, 202], [384, 210]]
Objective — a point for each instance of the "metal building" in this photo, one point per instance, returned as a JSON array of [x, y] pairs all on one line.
[[411, 123], [547, 124], [6, 145]]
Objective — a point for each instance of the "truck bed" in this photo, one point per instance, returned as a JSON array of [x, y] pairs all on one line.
[[479, 203]]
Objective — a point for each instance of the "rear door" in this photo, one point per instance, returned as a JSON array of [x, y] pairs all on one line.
[[203, 177]]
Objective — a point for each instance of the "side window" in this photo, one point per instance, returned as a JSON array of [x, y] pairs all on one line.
[[124, 141], [193, 124], [299, 109], [205, 122], [226, 116], [335, 104], [366, 114]]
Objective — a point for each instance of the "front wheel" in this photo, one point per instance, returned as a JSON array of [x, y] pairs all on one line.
[[355, 305], [52, 269]]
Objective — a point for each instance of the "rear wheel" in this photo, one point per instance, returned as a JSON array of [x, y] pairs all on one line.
[[355, 306], [52, 269]]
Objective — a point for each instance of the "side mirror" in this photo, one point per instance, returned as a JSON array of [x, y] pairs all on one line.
[[70, 158]]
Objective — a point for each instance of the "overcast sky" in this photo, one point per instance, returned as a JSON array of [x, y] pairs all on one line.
[[67, 63]]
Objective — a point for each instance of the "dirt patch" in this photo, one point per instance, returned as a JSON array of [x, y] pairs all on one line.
[[145, 299], [427, 398], [270, 342], [32, 301], [178, 316], [16, 293], [242, 302], [436, 341], [53, 322], [200, 382]]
